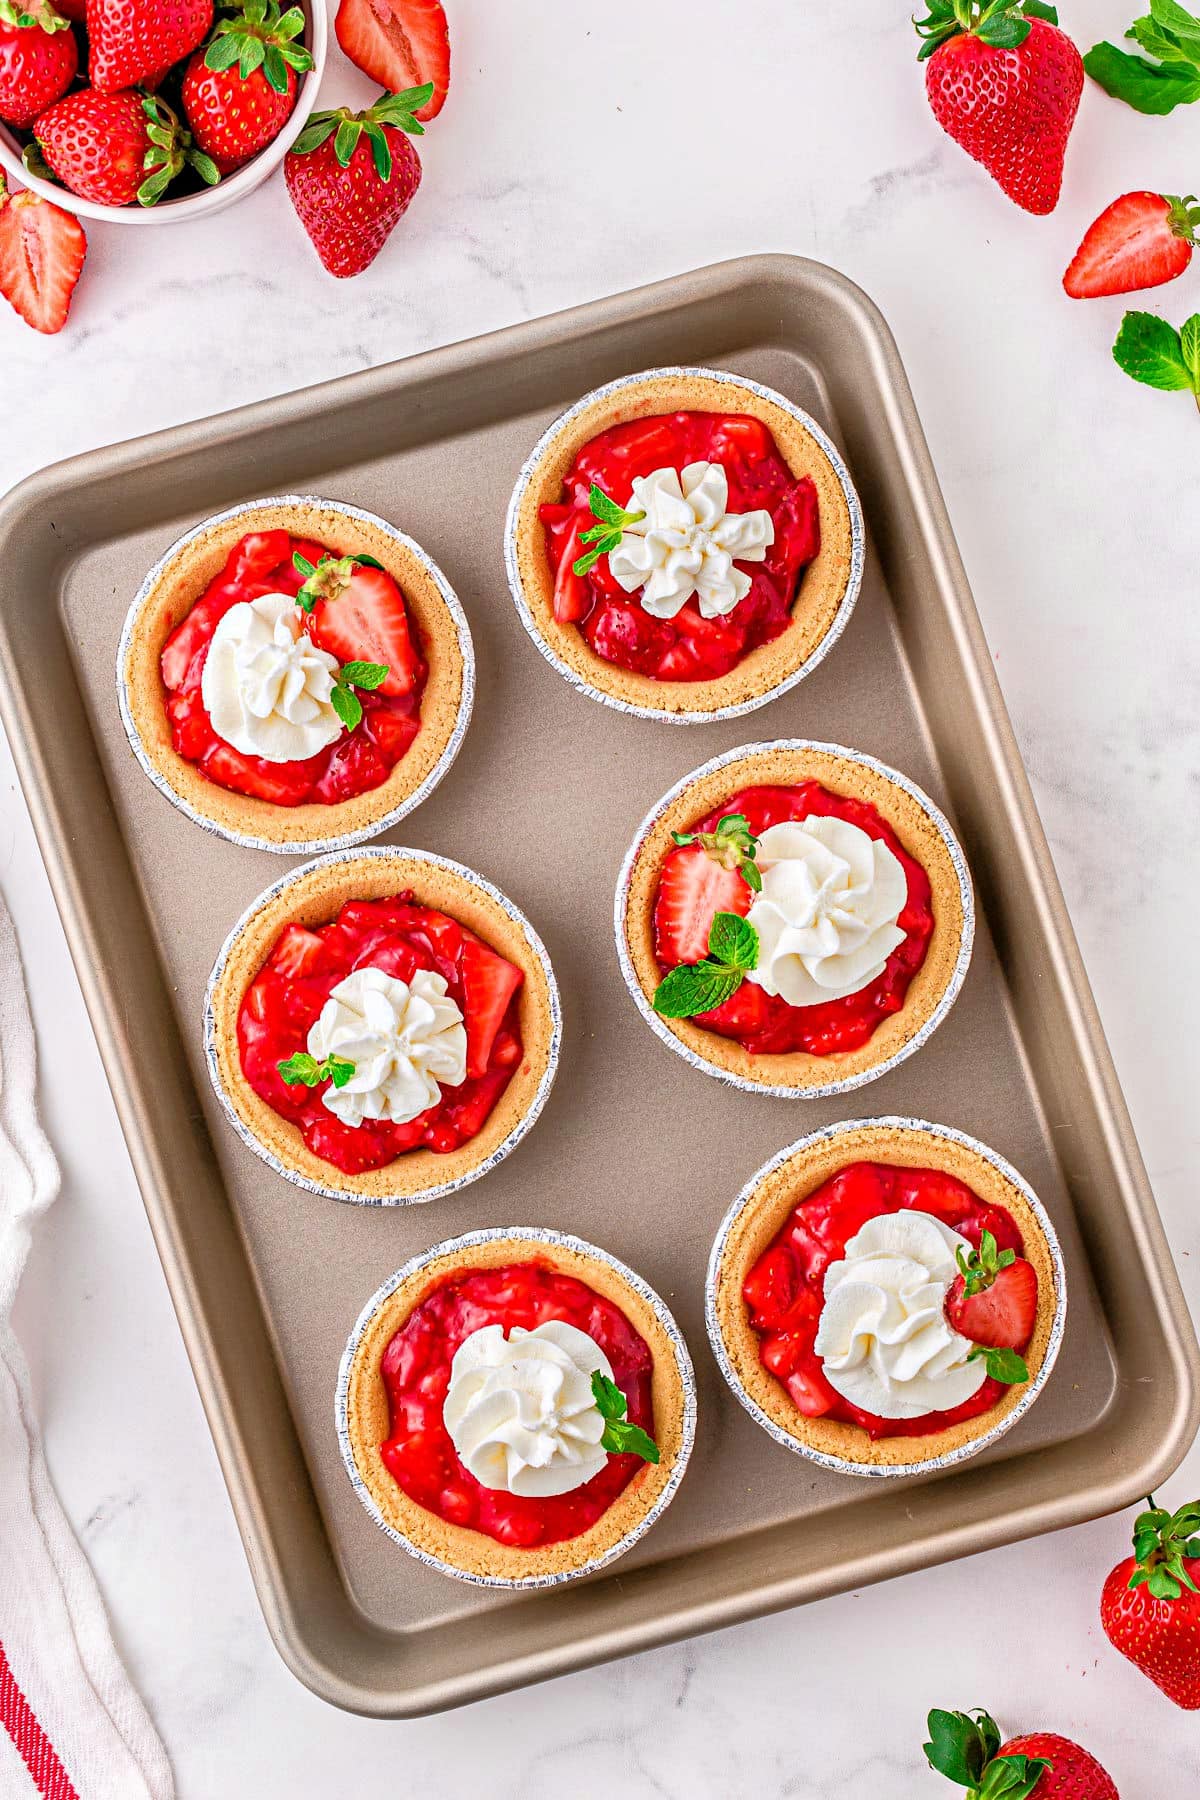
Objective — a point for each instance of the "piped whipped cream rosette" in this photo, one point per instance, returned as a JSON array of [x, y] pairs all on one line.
[[684, 544], [794, 917], [886, 1295], [295, 674], [383, 1026], [516, 1407]]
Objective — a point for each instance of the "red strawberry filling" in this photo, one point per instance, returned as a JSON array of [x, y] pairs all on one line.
[[693, 887], [688, 647], [784, 1291], [398, 936], [372, 625], [416, 1373]]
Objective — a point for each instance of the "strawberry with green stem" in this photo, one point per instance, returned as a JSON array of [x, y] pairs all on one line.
[[992, 1301], [1140, 241], [117, 148], [621, 1437], [240, 88], [1150, 1606], [351, 177], [1151, 351], [357, 614], [604, 536], [1039, 1765], [38, 59], [732, 846], [1004, 82]]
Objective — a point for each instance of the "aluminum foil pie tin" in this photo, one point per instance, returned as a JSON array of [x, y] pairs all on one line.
[[845, 608], [919, 1466], [344, 840], [846, 1084], [531, 1238], [523, 1125]]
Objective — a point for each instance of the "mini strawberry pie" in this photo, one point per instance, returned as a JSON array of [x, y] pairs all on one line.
[[794, 918], [684, 544], [516, 1407], [886, 1295], [295, 675], [382, 1026]]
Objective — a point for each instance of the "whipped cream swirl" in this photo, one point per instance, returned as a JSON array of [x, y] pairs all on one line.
[[687, 541], [406, 1040], [520, 1410], [266, 686], [826, 916], [883, 1336]]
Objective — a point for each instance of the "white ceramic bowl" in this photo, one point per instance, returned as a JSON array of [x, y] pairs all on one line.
[[209, 200]]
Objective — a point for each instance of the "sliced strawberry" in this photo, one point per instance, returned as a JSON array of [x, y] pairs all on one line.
[[1140, 241], [299, 952], [809, 1394], [398, 43], [571, 597], [258, 555], [1002, 1317], [393, 732], [693, 889], [770, 1287], [283, 784], [489, 983], [355, 767], [41, 257], [368, 622]]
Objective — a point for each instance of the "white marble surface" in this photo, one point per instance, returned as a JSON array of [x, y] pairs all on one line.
[[584, 151]]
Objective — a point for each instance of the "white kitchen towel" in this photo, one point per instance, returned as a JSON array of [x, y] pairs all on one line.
[[73, 1726]]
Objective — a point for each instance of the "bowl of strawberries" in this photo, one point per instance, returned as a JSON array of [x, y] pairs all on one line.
[[152, 111]]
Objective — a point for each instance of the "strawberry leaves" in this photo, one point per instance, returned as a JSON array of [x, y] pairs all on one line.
[[259, 37], [964, 1746], [1171, 35], [700, 987], [979, 1268], [1004, 24], [39, 12], [303, 1070], [1161, 1542], [168, 151], [732, 844], [621, 1438], [328, 578], [346, 128], [606, 533], [1150, 350]]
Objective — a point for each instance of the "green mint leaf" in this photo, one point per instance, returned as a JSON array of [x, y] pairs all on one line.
[[593, 534], [1152, 88], [1002, 1365], [338, 1070], [1176, 19], [623, 1439], [1189, 344], [695, 988], [587, 561], [366, 675], [603, 508], [733, 942], [1150, 350], [610, 1401], [347, 706], [1157, 42], [301, 1069]]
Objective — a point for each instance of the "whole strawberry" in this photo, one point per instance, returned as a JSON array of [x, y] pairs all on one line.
[[131, 41], [239, 90], [1150, 1607], [117, 148], [1039, 1766], [1005, 83], [351, 177], [38, 58]]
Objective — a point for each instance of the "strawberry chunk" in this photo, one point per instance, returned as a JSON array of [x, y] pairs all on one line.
[[400, 44], [368, 622], [693, 889], [1002, 1317], [299, 952], [283, 784], [41, 258], [489, 983], [392, 732], [571, 598]]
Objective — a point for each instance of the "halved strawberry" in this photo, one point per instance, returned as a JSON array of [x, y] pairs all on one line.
[[489, 983], [1140, 241], [1000, 1316], [693, 889], [365, 620], [571, 597], [398, 43], [299, 952], [41, 257]]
